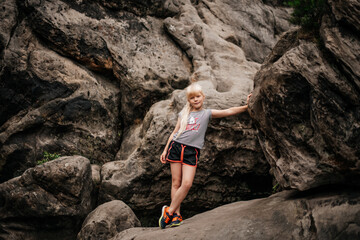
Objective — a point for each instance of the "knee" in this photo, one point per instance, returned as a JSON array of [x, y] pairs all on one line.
[[176, 183], [186, 184]]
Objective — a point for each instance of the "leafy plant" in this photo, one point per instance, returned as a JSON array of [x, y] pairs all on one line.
[[275, 188], [48, 157], [307, 13]]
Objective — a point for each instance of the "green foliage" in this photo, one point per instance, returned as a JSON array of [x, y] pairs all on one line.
[[307, 13], [276, 188], [48, 157]]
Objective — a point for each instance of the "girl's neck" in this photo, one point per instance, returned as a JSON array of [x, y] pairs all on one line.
[[196, 110]]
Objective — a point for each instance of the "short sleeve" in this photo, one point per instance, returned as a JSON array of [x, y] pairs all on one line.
[[209, 113]]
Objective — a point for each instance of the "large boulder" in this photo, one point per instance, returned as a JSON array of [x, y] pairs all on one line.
[[96, 77], [286, 215], [50, 104], [306, 104], [76, 75], [107, 220], [49, 201], [132, 50], [231, 167], [252, 25]]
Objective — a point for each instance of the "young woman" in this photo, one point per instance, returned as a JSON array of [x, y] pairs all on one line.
[[183, 149]]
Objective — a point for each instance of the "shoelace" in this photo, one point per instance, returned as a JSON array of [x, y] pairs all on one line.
[[168, 217], [177, 217]]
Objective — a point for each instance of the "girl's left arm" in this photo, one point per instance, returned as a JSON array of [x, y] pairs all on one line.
[[230, 111]]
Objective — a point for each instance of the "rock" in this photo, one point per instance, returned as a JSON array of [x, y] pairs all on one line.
[[346, 12], [50, 104], [226, 169], [76, 75], [231, 167], [96, 181], [341, 41], [107, 220], [125, 46], [95, 174], [306, 106], [163, 8], [48, 201], [252, 25], [286, 215], [8, 16], [96, 78]]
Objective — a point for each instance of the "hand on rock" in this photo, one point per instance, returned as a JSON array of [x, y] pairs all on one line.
[[248, 98]]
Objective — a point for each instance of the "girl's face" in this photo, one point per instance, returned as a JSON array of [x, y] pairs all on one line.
[[196, 101]]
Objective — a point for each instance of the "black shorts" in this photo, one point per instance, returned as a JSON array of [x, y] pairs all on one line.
[[182, 153]]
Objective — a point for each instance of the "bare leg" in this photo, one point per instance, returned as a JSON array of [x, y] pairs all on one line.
[[176, 176], [188, 174]]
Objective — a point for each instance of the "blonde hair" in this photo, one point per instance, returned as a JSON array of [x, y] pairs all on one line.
[[191, 90]]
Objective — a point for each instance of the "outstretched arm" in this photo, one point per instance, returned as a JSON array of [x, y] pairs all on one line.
[[230, 111]]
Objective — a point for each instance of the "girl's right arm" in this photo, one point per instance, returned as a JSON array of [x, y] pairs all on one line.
[[163, 155]]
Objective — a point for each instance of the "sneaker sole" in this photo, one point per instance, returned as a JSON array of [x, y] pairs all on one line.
[[162, 214], [175, 224]]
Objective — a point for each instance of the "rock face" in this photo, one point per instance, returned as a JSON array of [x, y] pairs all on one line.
[[306, 104], [96, 78], [104, 79], [107, 220], [61, 80], [330, 215], [231, 166], [49, 201], [49, 103]]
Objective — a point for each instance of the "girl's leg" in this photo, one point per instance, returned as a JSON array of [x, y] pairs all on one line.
[[188, 174], [176, 176]]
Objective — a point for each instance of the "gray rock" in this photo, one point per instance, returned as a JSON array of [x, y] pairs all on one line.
[[163, 8], [77, 74], [252, 25], [8, 16], [107, 220], [226, 169], [330, 215], [231, 166], [50, 104], [124, 46], [95, 174], [346, 11], [48, 201], [306, 105]]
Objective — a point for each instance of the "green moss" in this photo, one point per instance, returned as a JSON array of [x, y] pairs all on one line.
[[48, 157], [276, 188]]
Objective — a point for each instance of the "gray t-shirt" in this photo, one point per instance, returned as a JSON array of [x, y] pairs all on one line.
[[194, 134]]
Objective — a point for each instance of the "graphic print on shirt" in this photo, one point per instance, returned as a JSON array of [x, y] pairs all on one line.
[[192, 124]]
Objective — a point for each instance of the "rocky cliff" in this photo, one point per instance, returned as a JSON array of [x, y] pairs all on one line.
[[104, 79]]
